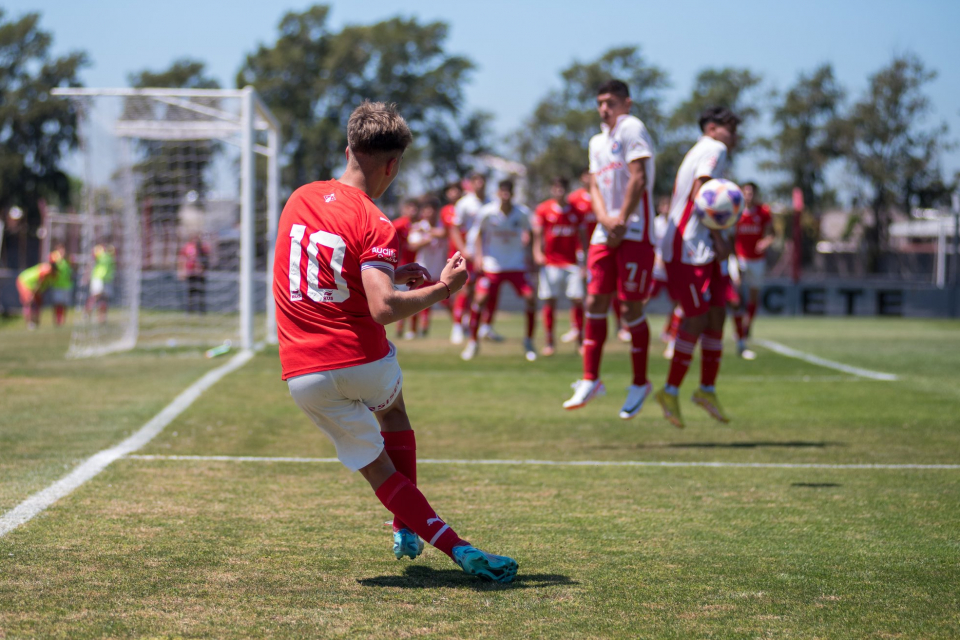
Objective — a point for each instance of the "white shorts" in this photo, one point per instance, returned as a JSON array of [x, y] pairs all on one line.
[[342, 401], [99, 287], [752, 272], [554, 280]]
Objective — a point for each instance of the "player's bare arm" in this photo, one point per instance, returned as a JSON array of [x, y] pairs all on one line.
[[614, 226], [390, 305], [768, 237], [537, 245], [636, 186]]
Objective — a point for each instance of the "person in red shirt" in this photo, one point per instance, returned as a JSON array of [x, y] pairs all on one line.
[[456, 234], [409, 212], [582, 202], [558, 233], [754, 237], [334, 286]]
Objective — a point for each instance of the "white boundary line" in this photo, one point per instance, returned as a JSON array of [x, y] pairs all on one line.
[[784, 350], [99, 461], [572, 463]]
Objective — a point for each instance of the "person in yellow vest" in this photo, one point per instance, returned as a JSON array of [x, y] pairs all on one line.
[[31, 283], [61, 290], [101, 279]]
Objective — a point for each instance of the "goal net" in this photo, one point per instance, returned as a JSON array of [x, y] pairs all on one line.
[[176, 221]]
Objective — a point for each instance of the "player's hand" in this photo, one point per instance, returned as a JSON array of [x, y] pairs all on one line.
[[539, 259], [454, 273], [413, 275]]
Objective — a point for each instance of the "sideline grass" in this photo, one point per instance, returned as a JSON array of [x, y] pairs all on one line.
[[212, 549]]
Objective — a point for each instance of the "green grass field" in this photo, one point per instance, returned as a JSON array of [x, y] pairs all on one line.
[[164, 548]]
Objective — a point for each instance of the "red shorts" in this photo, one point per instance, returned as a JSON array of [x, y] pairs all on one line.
[[696, 287], [489, 283], [626, 269]]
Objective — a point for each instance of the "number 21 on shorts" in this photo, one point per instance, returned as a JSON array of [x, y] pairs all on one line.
[[314, 242]]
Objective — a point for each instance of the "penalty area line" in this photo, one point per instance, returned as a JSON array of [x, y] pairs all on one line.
[[93, 465], [570, 463], [784, 350]]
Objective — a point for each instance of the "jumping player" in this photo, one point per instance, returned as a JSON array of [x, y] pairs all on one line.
[[621, 254], [500, 243], [557, 232], [334, 278], [692, 254], [754, 237]]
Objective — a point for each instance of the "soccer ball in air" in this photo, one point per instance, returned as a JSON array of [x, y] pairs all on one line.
[[719, 203]]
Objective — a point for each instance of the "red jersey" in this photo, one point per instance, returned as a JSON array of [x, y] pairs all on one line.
[[329, 232], [750, 230], [583, 203], [448, 216], [403, 225], [561, 232]]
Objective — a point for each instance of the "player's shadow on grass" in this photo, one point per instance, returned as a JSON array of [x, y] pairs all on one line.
[[423, 577]]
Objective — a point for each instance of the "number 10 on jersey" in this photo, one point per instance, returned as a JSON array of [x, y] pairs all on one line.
[[314, 241]]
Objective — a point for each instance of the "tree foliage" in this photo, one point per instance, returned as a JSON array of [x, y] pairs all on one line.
[[891, 146], [807, 123], [553, 141], [170, 170], [312, 77], [36, 130]]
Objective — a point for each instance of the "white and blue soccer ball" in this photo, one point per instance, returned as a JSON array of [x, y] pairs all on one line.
[[719, 203]]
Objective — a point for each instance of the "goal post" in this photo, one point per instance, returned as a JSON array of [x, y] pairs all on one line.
[[175, 201]]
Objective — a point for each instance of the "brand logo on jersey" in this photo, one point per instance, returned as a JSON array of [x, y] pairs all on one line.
[[615, 146], [388, 254], [385, 219], [330, 197], [296, 296], [325, 296]]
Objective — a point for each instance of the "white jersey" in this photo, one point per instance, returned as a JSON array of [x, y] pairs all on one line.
[[659, 230], [611, 151], [685, 233], [501, 237], [432, 256], [466, 209]]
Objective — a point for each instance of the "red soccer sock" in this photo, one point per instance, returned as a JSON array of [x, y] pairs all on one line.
[[595, 334], [673, 326], [531, 322], [405, 502], [460, 307], [682, 354], [640, 339], [576, 320], [751, 311], [401, 446], [711, 351], [425, 321], [548, 316], [61, 313], [738, 322], [615, 303], [474, 321], [414, 322]]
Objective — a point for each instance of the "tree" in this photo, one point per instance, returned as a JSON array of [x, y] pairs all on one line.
[[728, 87], [36, 131], [889, 144], [554, 139], [806, 125], [171, 170], [312, 78]]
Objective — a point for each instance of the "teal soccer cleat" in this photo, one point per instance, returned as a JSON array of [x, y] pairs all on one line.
[[485, 566], [407, 543]]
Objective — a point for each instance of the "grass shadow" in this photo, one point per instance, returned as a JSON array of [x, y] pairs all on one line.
[[815, 485], [423, 577], [759, 444]]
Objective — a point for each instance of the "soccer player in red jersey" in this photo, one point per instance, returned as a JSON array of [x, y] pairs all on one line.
[[558, 231], [409, 212], [428, 238], [692, 254], [334, 286], [754, 237], [500, 244], [621, 254], [581, 201]]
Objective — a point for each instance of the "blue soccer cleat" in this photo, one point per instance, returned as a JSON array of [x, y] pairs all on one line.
[[485, 566], [407, 543]]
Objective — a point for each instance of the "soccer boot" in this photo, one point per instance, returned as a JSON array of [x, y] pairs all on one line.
[[570, 336], [407, 543], [745, 352], [708, 400], [456, 334], [636, 394], [485, 566], [470, 351], [671, 408], [547, 350], [668, 352], [624, 336], [486, 332], [583, 392], [528, 351]]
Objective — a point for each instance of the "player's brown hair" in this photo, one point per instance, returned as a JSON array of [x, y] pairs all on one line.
[[561, 181], [506, 184], [430, 200], [618, 88], [718, 115], [377, 128]]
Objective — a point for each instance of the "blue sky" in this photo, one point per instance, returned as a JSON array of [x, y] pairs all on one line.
[[520, 46]]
